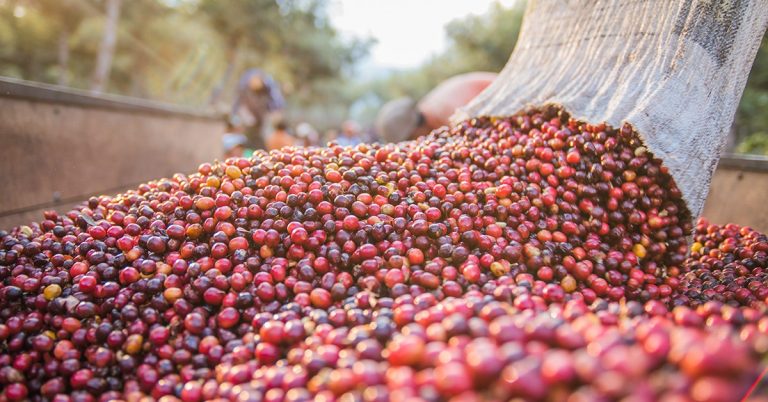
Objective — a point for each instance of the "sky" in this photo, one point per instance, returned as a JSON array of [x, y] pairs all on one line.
[[408, 32]]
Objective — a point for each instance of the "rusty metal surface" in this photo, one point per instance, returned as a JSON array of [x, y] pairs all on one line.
[[54, 154], [739, 194]]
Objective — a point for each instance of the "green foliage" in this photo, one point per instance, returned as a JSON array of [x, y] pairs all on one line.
[[193, 51], [751, 128], [755, 143], [178, 50], [19, 40], [485, 42]]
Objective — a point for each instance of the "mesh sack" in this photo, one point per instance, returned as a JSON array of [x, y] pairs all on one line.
[[674, 70]]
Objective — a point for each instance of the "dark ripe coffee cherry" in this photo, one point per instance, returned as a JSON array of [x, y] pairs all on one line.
[[532, 257]]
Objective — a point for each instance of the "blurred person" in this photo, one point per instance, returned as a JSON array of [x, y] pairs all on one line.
[[258, 99], [307, 135], [406, 119], [234, 145], [280, 137], [350, 134], [233, 141]]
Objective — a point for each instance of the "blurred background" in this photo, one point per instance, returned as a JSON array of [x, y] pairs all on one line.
[[97, 96], [333, 59]]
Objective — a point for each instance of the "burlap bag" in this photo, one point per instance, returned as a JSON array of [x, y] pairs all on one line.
[[674, 70]]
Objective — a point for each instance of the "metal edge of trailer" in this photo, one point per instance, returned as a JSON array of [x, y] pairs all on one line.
[[20, 89], [755, 163]]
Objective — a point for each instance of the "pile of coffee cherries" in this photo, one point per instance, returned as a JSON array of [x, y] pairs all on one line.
[[533, 257]]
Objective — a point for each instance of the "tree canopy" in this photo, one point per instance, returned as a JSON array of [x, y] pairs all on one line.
[[188, 52], [750, 133], [191, 52]]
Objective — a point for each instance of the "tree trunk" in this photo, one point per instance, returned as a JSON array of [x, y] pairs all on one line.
[[232, 53], [107, 47], [63, 56]]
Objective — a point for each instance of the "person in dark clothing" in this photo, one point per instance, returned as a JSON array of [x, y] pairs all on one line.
[[258, 98]]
